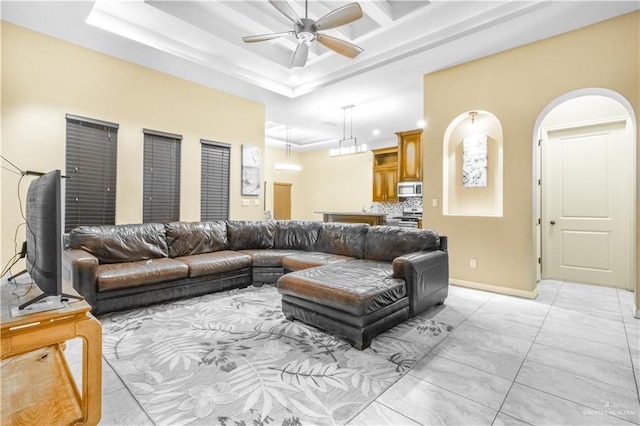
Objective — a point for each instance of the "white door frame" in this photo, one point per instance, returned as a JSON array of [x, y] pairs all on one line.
[[536, 229]]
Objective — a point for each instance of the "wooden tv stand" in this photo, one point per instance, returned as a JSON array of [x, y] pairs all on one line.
[[37, 386]]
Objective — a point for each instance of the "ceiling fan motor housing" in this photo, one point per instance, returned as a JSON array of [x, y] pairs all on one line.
[[307, 31]]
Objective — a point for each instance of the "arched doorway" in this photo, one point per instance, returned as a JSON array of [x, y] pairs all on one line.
[[585, 177]]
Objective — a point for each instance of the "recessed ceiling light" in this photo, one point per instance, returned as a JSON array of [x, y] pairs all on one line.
[[375, 132]]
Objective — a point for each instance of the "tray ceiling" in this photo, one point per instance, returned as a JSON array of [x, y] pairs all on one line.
[[402, 40]]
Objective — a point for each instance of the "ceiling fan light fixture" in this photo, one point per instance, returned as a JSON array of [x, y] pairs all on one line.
[[306, 32], [305, 37]]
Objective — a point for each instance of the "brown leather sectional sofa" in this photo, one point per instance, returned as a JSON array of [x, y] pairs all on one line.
[[353, 279]]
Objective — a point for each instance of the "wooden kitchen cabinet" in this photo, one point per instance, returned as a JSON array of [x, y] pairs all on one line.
[[385, 184], [385, 174], [410, 156]]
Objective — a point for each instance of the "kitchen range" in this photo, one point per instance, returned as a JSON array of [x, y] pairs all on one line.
[[411, 217]]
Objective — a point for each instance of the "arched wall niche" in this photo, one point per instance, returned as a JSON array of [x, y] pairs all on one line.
[[476, 201]]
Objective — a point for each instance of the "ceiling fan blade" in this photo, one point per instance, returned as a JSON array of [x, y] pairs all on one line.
[[341, 16], [265, 37], [339, 46], [285, 8], [300, 55]]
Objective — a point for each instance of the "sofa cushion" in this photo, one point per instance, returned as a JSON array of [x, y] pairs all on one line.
[[216, 262], [143, 272], [121, 243], [385, 243], [187, 238], [345, 239], [304, 260], [250, 235], [268, 257], [359, 287], [296, 234]]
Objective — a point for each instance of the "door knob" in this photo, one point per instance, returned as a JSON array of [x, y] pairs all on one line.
[[553, 222]]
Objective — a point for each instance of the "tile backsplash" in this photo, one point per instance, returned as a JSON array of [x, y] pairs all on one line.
[[395, 209]]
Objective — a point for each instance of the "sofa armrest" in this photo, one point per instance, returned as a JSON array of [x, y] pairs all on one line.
[[426, 275], [80, 271]]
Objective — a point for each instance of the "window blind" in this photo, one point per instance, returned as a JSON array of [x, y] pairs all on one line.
[[214, 191], [161, 187], [90, 187]]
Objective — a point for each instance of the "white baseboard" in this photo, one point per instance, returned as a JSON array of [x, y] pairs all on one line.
[[495, 289]]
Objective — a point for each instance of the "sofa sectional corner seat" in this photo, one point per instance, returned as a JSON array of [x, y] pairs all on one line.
[[295, 245], [336, 242]]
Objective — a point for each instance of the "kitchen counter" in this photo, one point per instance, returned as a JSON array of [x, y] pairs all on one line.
[[354, 217]]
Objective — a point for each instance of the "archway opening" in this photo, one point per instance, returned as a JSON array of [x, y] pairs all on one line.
[[584, 174]]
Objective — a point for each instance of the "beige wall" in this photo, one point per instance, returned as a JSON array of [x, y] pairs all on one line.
[[516, 86], [271, 175], [44, 78], [343, 184], [323, 184]]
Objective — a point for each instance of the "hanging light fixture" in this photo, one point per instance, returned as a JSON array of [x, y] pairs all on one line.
[[347, 146], [288, 166]]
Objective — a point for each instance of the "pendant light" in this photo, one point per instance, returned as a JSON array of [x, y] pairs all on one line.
[[288, 166], [347, 146]]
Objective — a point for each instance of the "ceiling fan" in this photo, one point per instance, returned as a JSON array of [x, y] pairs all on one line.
[[306, 30]]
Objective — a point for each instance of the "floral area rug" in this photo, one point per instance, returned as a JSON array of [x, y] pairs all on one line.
[[231, 358]]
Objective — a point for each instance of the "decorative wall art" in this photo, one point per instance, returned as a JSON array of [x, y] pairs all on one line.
[[250, 170], [474, 161]]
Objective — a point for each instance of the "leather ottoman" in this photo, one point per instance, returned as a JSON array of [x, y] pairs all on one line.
[[357, 300]]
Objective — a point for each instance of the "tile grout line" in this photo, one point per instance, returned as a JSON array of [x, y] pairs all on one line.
[[571, 402], [392, 409], [586, 356], [560, 397], [525, 358], [426, 355]]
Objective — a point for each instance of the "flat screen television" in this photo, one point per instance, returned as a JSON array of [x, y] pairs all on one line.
[[44, 219]]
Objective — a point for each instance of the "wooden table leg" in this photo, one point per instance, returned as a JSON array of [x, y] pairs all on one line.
[[91, 333]]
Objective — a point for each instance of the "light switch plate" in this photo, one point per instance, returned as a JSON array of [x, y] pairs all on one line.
[[256, 202], [245, 203], [434, 202]]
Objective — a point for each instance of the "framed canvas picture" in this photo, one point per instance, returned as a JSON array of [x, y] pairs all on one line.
[[250, 170], [474, 161]]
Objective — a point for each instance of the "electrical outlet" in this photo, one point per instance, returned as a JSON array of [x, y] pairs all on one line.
[[472, 263], [434, 202]]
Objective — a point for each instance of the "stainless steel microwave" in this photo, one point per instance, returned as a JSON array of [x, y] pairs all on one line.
[[410, 189]]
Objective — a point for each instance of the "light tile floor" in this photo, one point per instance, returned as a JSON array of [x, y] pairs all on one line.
[[569, 357]]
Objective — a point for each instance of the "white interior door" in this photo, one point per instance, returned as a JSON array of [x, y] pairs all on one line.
[[584, 213]]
